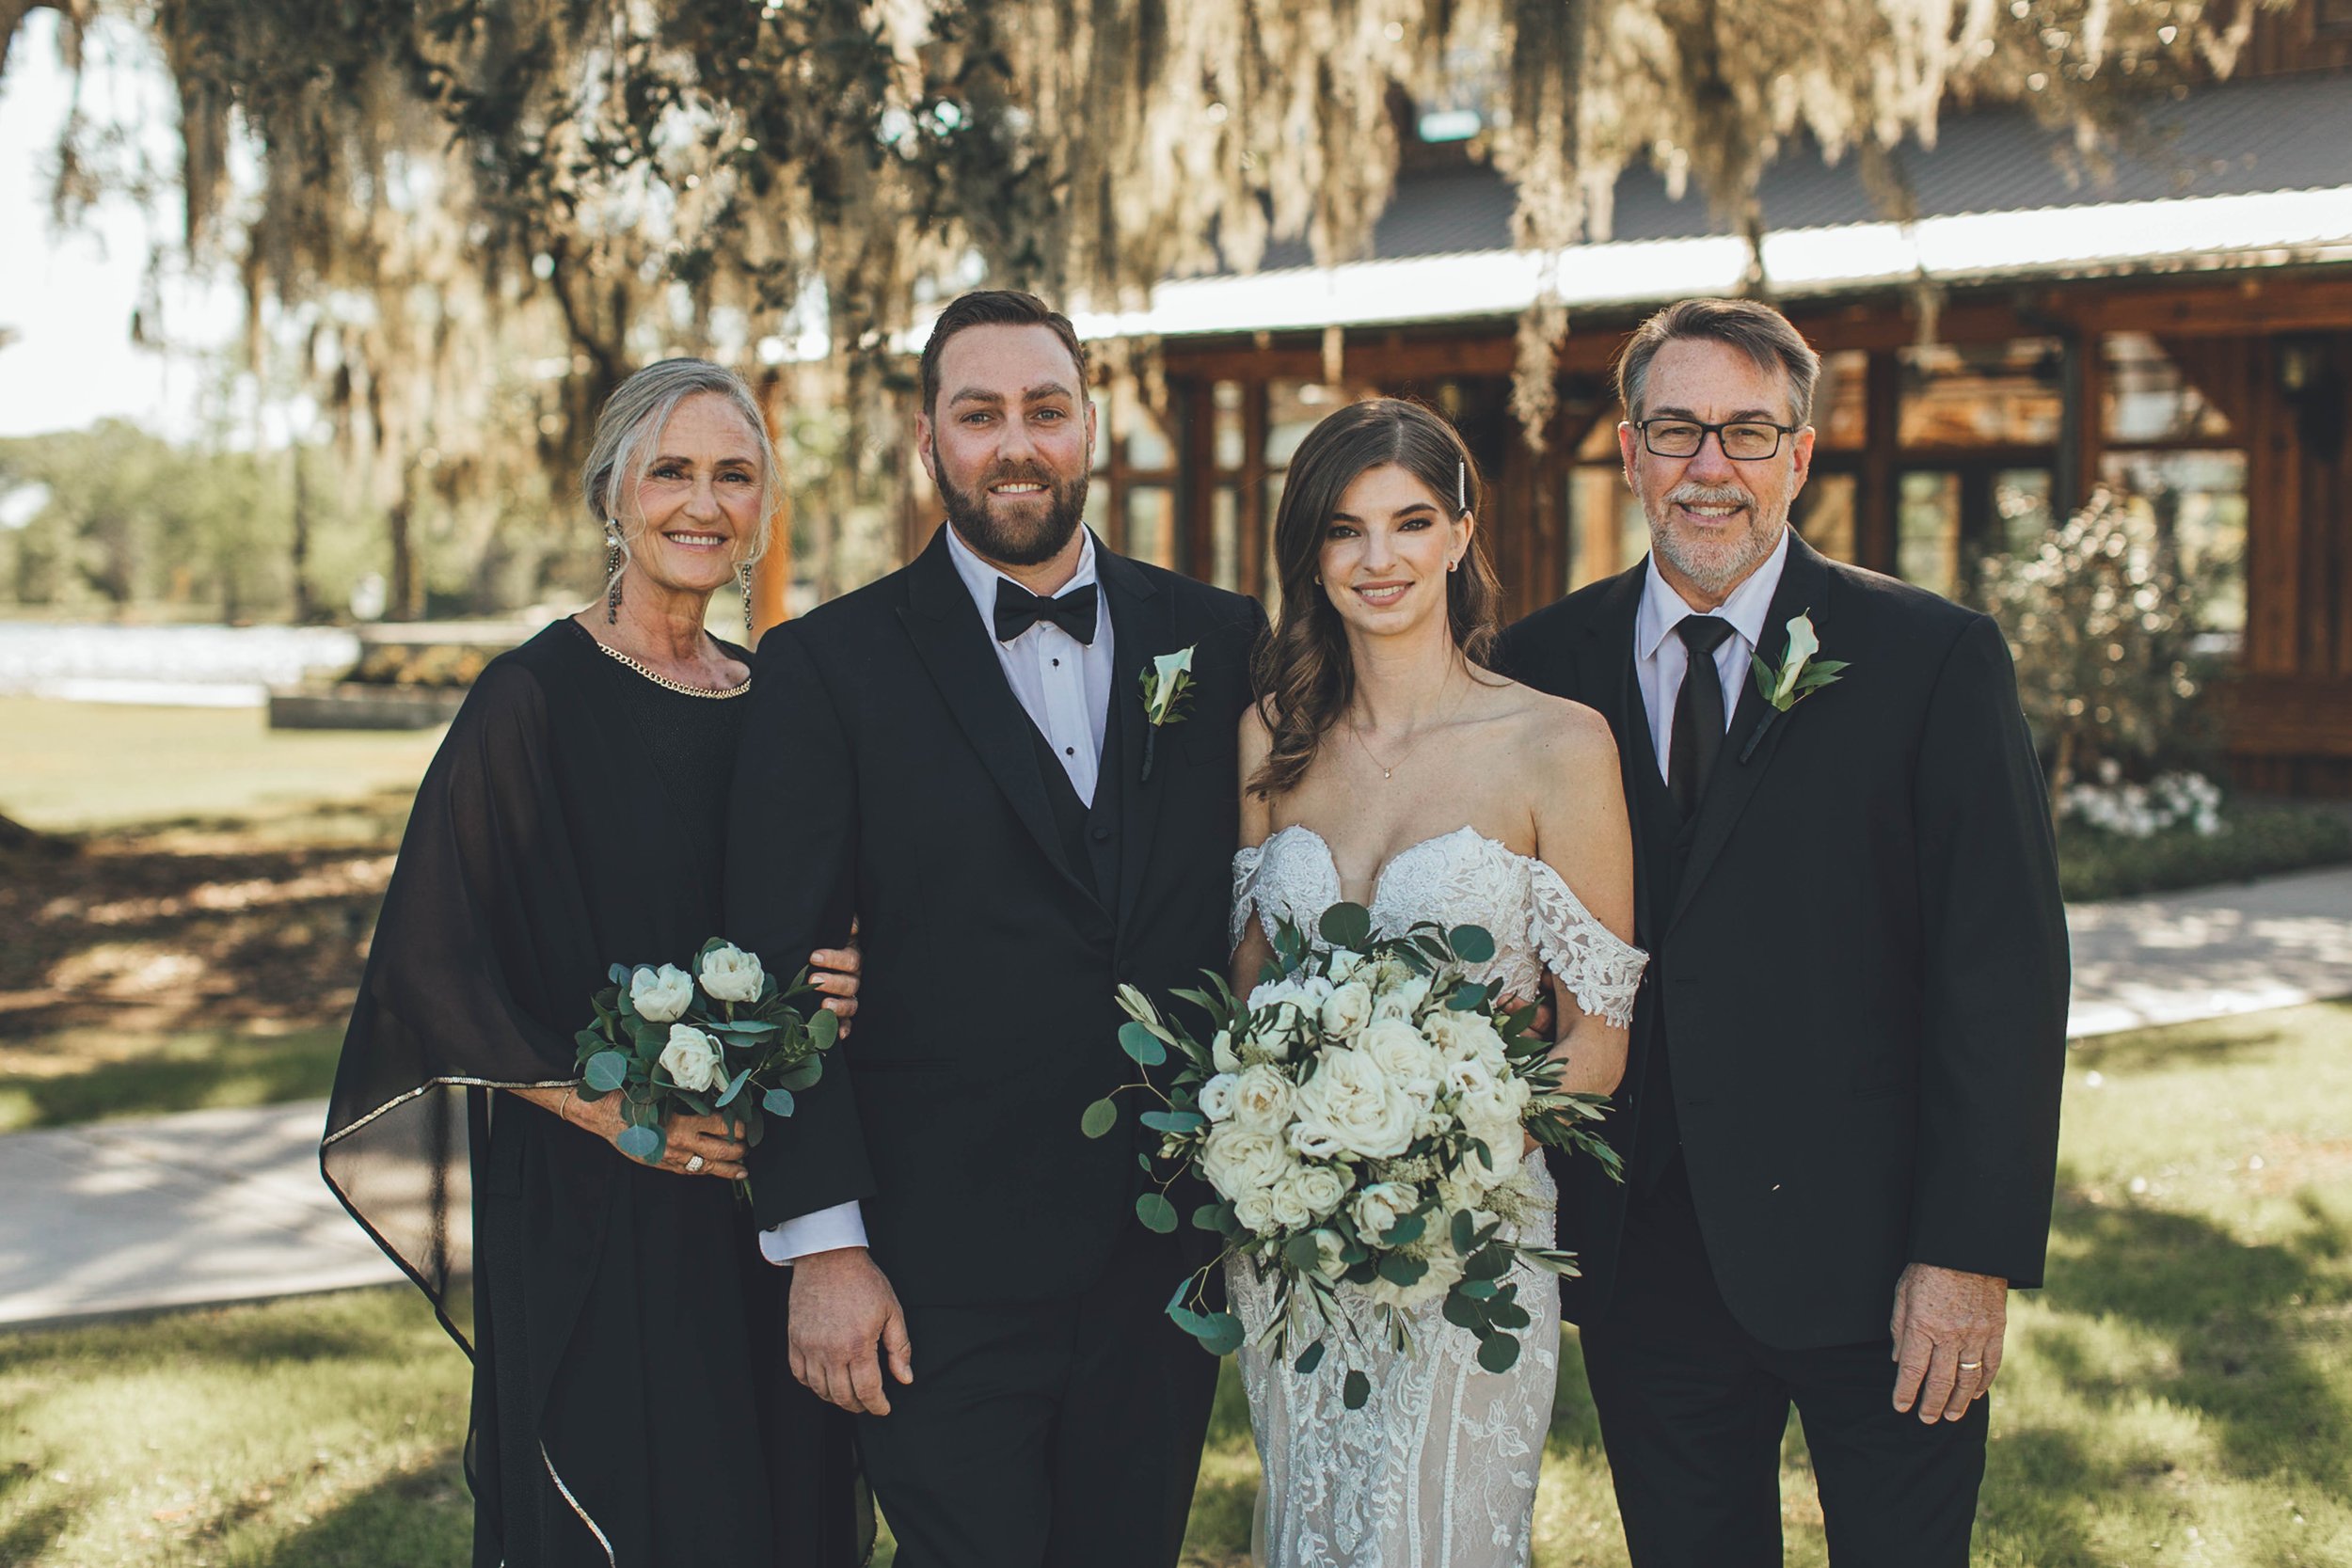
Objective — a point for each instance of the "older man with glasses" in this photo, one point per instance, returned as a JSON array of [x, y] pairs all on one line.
[[1840, 1115]]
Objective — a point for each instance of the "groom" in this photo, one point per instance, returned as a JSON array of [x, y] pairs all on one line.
[[1839, 1117], [962, 755]]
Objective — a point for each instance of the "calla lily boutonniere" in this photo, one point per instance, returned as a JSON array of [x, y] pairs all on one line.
[[1799, 675], [1166, 698]]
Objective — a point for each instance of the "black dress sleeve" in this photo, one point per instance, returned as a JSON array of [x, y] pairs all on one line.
[[484, 883], [790, 884]]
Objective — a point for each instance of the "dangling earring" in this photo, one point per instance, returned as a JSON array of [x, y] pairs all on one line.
[[613, 560], [743, 576]]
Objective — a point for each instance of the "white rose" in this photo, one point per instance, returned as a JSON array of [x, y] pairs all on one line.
[[1444, 1269], [1321, 1188], [1221, 1051], [1401, 998], [1470, 1077], [1398, 1049], [1464, 1037], [1290, 1209], [1274, 1031], [1348, 1010], [1378, 1206], [1274, 993], [1351, 1102], [1240, 1162], [732, 974], [660, 995], [1330, 1248], [1261, 1099], [1505, 1141], [692, 1061], [1216, 1096], [1343, 965], [1255, 1211]]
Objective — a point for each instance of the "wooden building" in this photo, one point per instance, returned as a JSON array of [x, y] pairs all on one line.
[[2181, 322]]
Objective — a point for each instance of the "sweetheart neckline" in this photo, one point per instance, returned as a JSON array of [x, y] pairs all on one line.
[[1379, 878]]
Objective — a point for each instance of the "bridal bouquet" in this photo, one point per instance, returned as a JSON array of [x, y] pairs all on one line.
[[1360, 1119], [709, 1039]]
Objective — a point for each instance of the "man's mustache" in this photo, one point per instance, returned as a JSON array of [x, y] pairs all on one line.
[[1709, 495]]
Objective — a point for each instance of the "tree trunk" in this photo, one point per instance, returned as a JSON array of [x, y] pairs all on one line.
[[303, 608]]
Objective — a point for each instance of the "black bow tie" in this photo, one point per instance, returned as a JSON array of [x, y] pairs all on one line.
[[1018, 610]]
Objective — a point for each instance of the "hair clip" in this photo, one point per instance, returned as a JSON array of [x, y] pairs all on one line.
[[1461, 487]]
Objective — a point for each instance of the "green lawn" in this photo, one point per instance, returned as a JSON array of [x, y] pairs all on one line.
[[2182, 1393], [73, 766]]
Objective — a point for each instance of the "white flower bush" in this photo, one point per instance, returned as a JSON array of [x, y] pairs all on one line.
[[1362, 1119], [2143, 810]]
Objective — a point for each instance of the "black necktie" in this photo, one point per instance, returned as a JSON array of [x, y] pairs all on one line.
[[1018, 610], [1698, 727]]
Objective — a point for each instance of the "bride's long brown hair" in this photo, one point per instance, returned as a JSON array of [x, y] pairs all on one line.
[[1304, 673]]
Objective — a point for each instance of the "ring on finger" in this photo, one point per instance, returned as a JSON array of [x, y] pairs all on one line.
[[694, 1163], [1971, 1366]]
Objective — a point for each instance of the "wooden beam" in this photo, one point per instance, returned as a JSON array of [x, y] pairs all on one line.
[[1879, 492], [2288, 716]]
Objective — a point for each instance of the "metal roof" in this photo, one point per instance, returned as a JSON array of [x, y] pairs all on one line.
[[2246, 173]]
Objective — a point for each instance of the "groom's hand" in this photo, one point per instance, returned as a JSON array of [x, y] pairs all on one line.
[[842, 1307], [1947, 1328]]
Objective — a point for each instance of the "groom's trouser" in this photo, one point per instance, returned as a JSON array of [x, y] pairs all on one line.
[[1693, 1408], [1048, 1434]]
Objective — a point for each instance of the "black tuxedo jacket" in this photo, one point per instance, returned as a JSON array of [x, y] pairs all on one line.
[[1858, 977], [888, 770]]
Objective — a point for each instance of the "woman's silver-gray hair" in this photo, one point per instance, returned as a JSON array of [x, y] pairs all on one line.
[[631, 427]]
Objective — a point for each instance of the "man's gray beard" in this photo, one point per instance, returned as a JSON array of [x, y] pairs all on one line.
[[1715, 577], [968, 512]]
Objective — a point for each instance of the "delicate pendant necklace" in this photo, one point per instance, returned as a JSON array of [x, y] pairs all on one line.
[[1387, 770]]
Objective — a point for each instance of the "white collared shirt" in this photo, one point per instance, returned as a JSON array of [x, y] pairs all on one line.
[[1659, 658], [1064, 685]]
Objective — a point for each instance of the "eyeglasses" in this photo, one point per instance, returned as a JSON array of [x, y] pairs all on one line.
[[1744, 440]]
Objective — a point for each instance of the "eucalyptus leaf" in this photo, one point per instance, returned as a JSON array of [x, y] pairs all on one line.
[[777, 1102], [1209, 1216], [1472, 945], [1355, 1390], [619, 974], [1100, 1118], [642, 1144], [1139, 1043], [607, 1071], [734, 1088], [1498, 1353], [1301, 1253], [824, 1028], [1225, 1333], [1465, 1232], [1156, 1212], [1468, 997], [1348, 926], [801, 1075], [1406, 1232], [1464, 1312], [1308, 1359], [1401, 1270], [1477, 1289], [1174, 1121], [1508, 1315]]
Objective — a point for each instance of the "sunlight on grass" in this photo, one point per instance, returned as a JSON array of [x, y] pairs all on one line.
[[2180, 1394], [77, 1075], [78, 766]]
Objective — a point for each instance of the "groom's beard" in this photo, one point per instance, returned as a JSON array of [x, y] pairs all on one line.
[[1018, 540]]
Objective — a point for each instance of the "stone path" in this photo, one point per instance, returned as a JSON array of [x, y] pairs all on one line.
[[211, 1207]]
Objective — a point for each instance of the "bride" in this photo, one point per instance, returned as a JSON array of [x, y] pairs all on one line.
[[1386, 768]]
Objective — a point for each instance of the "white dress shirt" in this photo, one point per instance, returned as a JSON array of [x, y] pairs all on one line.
[[1660, 658], [1064, 685]]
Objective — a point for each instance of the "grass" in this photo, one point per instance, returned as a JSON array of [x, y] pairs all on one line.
[[76, 767], [2181, 1393], [79, 1075], [2257, 839]]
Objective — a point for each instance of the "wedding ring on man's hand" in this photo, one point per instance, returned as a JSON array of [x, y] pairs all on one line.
[[693, 1164], [1966, 1365]]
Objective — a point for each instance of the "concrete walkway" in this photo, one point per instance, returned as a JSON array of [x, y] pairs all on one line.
[[221, 1206]]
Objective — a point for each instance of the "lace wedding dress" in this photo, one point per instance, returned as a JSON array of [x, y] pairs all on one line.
[[1438, 1468]]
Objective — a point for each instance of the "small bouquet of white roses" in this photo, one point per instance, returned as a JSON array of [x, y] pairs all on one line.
[[1361, 1117], [710, 1040]]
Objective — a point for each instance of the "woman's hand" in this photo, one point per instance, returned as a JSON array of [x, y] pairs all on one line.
[[837, 973], [692, 1145]]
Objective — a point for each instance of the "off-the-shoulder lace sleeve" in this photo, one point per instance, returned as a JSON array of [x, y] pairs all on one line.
[[1246, 864], [1598, 969]]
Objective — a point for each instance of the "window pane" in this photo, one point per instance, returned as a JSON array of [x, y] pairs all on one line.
[[1228, 443], [1600, 443], [1103, 432], [1098, 513], [1604, 524], [1981, 394], [1147, 441], [2200, 496], [1928, 531], [2021, 502], [1225, 537], [2148, 399], [1825, 515], [1152, 524], [1296, 408], [1839, 412]]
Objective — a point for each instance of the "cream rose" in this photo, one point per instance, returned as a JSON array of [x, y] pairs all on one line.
[[731, 975], [1330, 1253], [1378, 1206], [1465, 1038], [1398, 1049], [1347, 1010], [1321, 1188], [660, 995], [1216, 1096], [1261, 1099], [1351, 1102], [692, 1060], [1401, 998], [1256, 1211], [1289, 1208], [1239, 1162], [1221, 1051], [1342, 965]]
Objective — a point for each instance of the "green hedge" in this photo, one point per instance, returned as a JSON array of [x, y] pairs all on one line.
[[2256, 840]]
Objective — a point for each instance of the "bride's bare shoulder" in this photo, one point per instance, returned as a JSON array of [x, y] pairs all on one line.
[[1553, 732]]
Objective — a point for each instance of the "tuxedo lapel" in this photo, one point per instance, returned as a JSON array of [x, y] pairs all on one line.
[[1143, 626], [1756, 729], [945, 627], [1606, 666]]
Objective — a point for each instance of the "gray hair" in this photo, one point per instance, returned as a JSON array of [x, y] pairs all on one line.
[[1752, 328], [632, 425]]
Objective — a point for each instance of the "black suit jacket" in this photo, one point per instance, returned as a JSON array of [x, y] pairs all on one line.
[[1861, 980], [888, 769]]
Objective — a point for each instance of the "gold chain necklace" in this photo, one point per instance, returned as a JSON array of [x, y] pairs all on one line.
[[1387, 770], [668, 684]]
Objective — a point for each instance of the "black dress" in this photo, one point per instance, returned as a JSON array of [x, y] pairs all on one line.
[[632, 1401]]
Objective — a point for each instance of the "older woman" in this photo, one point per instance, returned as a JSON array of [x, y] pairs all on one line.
[[630, 1403]]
